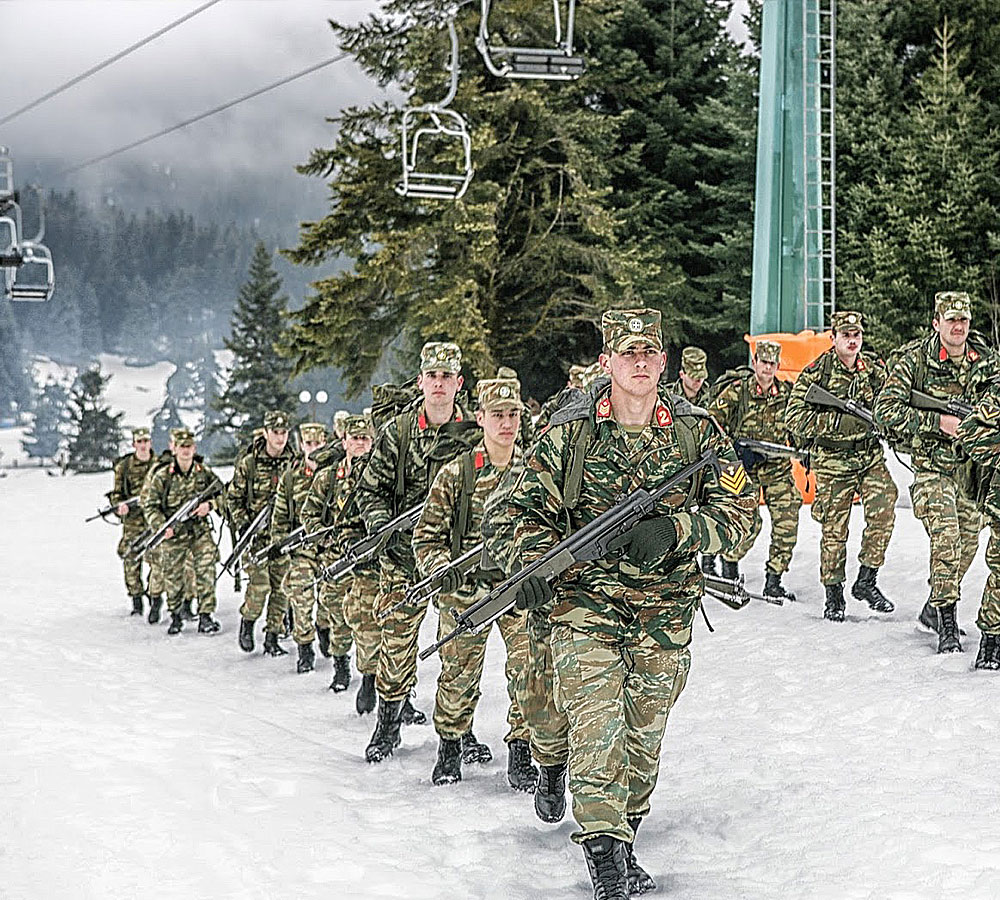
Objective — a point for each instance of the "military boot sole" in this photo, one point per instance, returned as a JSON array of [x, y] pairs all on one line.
[[833, 615], [439, 778]]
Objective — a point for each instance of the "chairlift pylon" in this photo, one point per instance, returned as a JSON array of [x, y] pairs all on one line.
[[555, 63], [436, 120]]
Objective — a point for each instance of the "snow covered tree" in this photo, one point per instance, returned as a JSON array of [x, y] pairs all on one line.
[[259, 378], [166, 417], [47, 432], [96, 432]]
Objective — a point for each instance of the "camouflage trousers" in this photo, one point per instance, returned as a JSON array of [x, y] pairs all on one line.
[[988, 620], [837, 482], [332, 597], [783, 502], [617, 698], [197, 549], [264, 587], [300, 592], [133, 565], [547, 724], [952, 522], [359, 612], [462, 669], [396, 674]]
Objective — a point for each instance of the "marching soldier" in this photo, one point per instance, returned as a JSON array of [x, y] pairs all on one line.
[[156, 574], [166, 490], [848, 460], [621, 628], [255, 481], [692, 379], [753, 406], [951, 363]]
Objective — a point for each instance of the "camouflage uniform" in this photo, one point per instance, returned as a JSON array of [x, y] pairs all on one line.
[[621, 632], [694, 364], [130, 473], [847, 459]]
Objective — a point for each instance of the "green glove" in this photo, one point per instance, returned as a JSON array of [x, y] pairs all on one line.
[[651, 539], [533, 593], [451, 581]]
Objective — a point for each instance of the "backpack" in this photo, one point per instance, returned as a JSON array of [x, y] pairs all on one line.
[[743, 374]]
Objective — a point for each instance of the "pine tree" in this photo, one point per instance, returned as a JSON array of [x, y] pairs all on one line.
[[47, 432], [96, 433], [259, 378]]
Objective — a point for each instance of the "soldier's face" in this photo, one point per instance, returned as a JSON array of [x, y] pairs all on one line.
[[847, 341], [276, 439], [184, 454], [764, 370], [636, 370], [439, 387], [357, 445], [310, 447], [691, 385], [143, 448], [954, 332], [500, 425]]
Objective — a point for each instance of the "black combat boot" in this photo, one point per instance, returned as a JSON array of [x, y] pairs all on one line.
[[989, 652], [834, 609], [306, 658], [365, 701], [155, 605], [136, 605], [341, 673], [605, 857], [928, 618], [448, 768], [550, 793], [271, 645], [639, 880], [386, 738], [474, 751], [323, 636], [708, 563], [866, 589], [774, 591], [206, 624], [411, 715], [187, 610], [730, 570], [521, 774], [176, 623], [947, 629], [246, 635]]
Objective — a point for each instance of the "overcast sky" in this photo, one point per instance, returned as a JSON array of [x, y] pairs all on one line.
[[230, 49]]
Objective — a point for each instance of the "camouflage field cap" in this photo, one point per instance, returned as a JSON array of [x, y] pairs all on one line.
[[140, 434], [952, 305], [358, 426], [499, 393], [339, 417], [506, 372], [176, 431], [768, 351], [441, 356], [623, 328], [312, 431], [594, 371], [275, 419], [847, 318], [182, 437], [575, 378], [694, 362]]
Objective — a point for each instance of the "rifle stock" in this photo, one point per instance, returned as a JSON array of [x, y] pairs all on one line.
[[259, 523], [953, 407], [820, 396]]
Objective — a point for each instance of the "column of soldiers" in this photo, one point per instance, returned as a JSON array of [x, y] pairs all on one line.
[[597, 656]]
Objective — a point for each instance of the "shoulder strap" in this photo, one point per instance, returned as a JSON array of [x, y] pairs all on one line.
[[688, 441], [574, 476], [469, 462], [251, 472], [404, 422], [824, 378]]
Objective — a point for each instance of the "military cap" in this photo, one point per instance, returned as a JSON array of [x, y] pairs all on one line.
[[594, 371], [358, 426], [506, 372], [768, 351], [275, 419], [183, 437], [499, 393], [622, 328], [441, 356], [176, 431], [694, 362], [847, 318], [576, 376], [312, 431], [952, 305], [141, 433]]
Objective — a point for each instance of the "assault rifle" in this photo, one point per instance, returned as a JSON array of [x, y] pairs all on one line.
[[183, 513], [604, 537], [369, 546], [259, 523], [747, 447], [952, 407], [297, 538], [820, 396], [140, 539], [132, 503], [431, 585]]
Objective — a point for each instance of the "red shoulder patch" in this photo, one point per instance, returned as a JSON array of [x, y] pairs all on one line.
[[662, 416], [422, 422], [604, 408]]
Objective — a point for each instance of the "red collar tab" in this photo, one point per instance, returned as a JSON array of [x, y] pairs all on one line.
[[942, 355], [662, 416], [458, 414], [861, 365], [604, 408], [422, 422], [480, 459], [973, 356], [309, 472], [341, 472]]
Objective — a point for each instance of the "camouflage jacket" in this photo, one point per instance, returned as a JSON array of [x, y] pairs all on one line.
[[293, 487], [130, 474], [433, 534], [702, 398], [255, 480], [931, 450], [745, 410], [167, 489], [807, 421], [979, 436], [614, 597]]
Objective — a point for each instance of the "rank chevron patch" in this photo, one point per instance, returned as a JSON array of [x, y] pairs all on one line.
[[733, 478]]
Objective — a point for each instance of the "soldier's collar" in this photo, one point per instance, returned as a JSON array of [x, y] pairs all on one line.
[[970, 353], [423, 424], [661, 413], [759, 391]]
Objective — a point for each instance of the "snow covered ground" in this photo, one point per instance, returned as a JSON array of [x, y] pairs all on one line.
[[805, 760]]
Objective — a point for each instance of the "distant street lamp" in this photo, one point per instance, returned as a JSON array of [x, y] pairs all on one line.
[[321, 398]]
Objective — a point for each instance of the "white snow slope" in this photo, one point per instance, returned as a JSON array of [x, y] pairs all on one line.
[[805, 760]]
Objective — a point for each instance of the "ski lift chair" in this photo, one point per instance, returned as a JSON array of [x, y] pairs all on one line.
[[34, 280], [557, 63], [435, 124]]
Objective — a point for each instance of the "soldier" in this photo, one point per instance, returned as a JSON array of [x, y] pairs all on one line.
[[752, 406], [303, 564], [168, 488], [450, 526], [848, 460], [692, 379], [130, 472], [621, 627], [951, 363], [574, 382], [406, 456], [156, 574], [255, 481]]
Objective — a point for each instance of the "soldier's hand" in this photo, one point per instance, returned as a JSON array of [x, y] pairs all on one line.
[[169, 533], [203, 509], [273, 554], [949, 424], [122, 510], [451, 581], [650, 539], [533, 593]]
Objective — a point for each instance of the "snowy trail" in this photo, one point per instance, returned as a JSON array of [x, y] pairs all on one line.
[[805, 759]]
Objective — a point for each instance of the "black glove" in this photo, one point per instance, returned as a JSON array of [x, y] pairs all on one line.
[[274, 554], [451, 581], [533, 593], [750, 458], [651, 539]]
